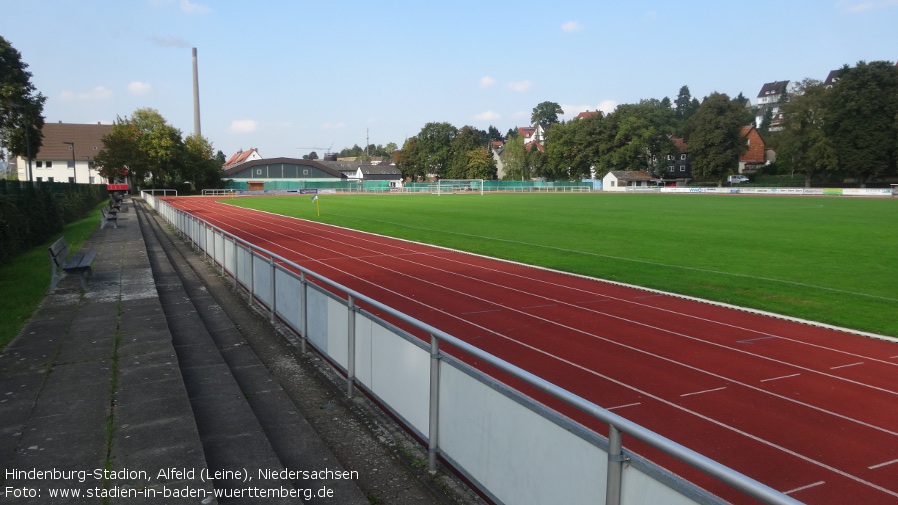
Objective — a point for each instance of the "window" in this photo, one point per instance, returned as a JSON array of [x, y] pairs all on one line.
[[305, 171], [683, 156], [49, 179], [670, 157], [39, 179], [682, 168], [49, 164], [39, 164], [670, 168]]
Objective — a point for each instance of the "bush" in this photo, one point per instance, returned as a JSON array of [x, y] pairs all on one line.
[[31, 213]]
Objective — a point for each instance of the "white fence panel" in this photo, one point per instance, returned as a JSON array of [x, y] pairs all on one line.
[[394, 369], [317, 318], [262, 279], [288, 290], [638, 488], [520, 456], [338, 331], [230, 256]]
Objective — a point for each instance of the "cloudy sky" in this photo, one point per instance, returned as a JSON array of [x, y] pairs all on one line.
[[292, 76]]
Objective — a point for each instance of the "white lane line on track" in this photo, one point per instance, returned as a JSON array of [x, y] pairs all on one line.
[[802, 488], [647, 394], [780, 377], [483, 300], [846, 366], [480, 312], [887, 463], [750, 340], [624, 406], [703, 392]]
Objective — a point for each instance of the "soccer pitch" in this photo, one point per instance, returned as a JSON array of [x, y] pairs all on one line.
[[827, 259]]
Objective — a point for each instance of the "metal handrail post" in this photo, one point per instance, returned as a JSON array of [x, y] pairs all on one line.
[[433, 437], [252, 276], [303, 311], [350, 362], [273, 290], [616, 461]]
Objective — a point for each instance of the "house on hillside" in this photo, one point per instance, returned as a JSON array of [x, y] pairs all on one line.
[[242, 157], [586, 114], [63, 145], [757, 154], [833, 77], [533, 134], [621, 180], [769, 100], [679, 166]]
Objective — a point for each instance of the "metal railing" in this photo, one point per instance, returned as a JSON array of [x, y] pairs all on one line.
[[330, 317]]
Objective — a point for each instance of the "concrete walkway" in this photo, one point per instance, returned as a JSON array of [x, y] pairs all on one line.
[[120, 394]]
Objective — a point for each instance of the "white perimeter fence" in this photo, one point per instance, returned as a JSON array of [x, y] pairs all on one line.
[[514, 449]]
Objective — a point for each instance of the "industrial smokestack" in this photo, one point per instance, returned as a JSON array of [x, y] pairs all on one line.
[[196, 98]]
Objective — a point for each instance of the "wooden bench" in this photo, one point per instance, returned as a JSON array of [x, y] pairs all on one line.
[[61, 265], [107, 216]]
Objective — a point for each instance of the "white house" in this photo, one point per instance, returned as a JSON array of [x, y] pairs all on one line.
[[620, 180], [62, 145]]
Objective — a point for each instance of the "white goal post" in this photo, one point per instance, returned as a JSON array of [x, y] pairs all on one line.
[[460, 186]]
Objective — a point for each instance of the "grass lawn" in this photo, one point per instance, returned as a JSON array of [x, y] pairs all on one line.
[[827, 259], [25, 279]]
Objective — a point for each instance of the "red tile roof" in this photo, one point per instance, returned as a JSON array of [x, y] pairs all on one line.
[[756, 147]]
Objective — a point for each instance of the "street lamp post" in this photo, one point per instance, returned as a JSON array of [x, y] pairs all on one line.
[[74, 168]]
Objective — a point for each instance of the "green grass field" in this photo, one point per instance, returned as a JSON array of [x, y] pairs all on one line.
[[827, 259]]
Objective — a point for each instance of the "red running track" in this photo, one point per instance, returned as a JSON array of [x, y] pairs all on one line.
[[809, 411]]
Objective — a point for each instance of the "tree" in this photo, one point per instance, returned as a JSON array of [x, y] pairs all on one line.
[[861, 112], [147, 145], [467, 140], [714, 137], [481, 164], [546, 113], [685, 105], [21, 110], [201, 168], [802, 143], [435, 147], [514, 159], [408, 160]]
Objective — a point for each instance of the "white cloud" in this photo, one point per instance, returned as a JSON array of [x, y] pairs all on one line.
[[170, 42], [607, 106], [487, 116], [487, 82], [95, 94], [191, 8], [333, 126], [520, 86], [139, 88], [854, 7], [243, 126], [571, 26]]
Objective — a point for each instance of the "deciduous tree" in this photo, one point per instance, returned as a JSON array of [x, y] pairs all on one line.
[[802, 144], [546, 113], [714, 137], [861, 112], [21, 108]]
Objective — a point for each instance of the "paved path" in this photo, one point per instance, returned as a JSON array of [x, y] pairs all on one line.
[[142, 388]]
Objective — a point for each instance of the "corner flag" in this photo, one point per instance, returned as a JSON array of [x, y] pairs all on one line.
[[317, 207]]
